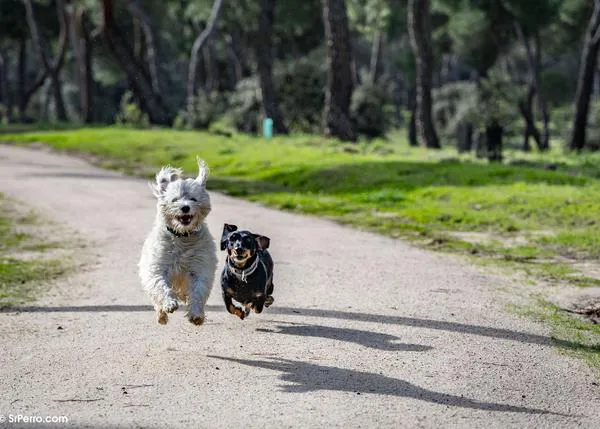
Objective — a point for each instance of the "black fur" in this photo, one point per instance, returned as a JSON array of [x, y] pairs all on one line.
[[255, 290]]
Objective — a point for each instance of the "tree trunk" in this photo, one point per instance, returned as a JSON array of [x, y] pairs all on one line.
[[526, 108], [236, 71], [464, 137], [24, 93], [141, 84], [197, 49], [146, 26], [54, 65], [80, 39], [543, 105], [5, 95], [399, 97], [336, 115], [493, 137], [22, 77], [375, 63], [412, 128], [533, 55], [585, 83], [420, 36], [264, 59]]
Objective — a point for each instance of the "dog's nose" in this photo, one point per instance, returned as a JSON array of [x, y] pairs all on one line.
[[185, 209]]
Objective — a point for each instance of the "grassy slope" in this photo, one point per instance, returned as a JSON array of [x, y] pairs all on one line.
[[20, 278], [530, 211]]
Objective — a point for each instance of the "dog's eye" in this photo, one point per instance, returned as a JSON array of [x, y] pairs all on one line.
[[174, 199], [194, 200]]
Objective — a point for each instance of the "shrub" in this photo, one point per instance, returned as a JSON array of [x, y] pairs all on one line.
[[205, 109], [368, 110], [300, 91], [246, 105], [130, 113]]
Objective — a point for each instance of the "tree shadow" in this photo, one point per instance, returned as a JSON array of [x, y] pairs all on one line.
[[402, 176], [374, 340], [309, 377]]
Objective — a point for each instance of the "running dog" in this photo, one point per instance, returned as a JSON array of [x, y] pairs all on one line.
[[179, 257], [248, 273]]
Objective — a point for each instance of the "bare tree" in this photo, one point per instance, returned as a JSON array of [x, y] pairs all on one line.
[[80, 34], [51, 65], [376, 51], [585, 83], [336, 115], [264, 57], [140, 82], [197, 48], [5, 96], [419, 28], [534, 63], [146, 24]]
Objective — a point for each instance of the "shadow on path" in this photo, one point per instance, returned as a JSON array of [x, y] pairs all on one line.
[[374, 340], [413, 322], [309, 377]]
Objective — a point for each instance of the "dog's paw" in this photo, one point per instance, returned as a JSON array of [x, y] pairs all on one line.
[[241, 312], [162, 318], [196, 319], [169, 305], [269, 300]]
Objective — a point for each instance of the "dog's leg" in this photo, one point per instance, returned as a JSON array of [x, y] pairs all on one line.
[[198, 295], [162, 317], [257, 304], [269, 298], [163, 298], [232, 308]]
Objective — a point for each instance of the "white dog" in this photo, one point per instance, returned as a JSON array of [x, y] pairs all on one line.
[[179, 257]]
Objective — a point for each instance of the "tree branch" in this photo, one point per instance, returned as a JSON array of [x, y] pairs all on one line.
[[139, 14], [197, 47]]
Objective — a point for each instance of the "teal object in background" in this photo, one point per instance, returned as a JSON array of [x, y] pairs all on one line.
[[268, 128]]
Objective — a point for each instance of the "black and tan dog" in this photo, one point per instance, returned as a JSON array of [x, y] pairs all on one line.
[[248, 273]]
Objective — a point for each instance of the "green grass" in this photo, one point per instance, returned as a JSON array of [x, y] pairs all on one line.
[[572, 335], [384, 186], [20, 279]]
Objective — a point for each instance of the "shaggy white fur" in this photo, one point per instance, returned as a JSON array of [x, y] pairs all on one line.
[[179, 257]]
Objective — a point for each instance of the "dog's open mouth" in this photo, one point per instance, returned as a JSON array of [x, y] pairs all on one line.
[[185, 219]]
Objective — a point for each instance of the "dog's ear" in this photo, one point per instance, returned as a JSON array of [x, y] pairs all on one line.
[[202, 172], [262, 241], [227, 229], [165, 176]]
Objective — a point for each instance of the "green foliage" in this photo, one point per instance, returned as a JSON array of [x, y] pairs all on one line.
[[300, 92], [130, 114], [300, 89], [246, 105], [205, 109], [368, 110]]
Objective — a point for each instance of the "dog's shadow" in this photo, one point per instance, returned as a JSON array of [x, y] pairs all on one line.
[[311, 377], [374, 340]]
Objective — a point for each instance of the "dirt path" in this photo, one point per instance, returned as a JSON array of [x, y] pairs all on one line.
[[365, 331]]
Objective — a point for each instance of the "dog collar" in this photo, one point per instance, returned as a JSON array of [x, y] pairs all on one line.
[[180, 234], [242, 274]]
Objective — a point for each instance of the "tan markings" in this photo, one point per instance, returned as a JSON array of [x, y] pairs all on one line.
[[162, 317], [180, 283]]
